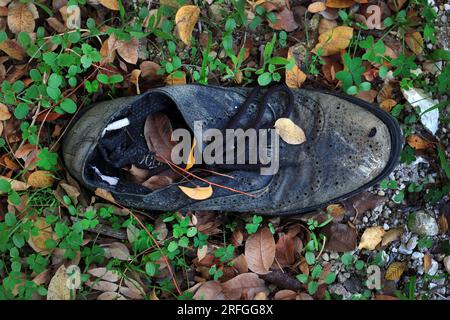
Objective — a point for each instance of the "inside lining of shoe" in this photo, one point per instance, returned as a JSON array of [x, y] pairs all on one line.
[[123, 143]]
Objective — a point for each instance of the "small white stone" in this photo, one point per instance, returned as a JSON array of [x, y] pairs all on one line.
[[334, 256], [434, 268], [417, 256], [385, 226], [447, 263], [326, 257], [447, 7], [365, 220], [381, 193]]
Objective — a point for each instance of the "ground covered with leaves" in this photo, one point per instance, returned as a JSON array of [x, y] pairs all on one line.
[[58, 57]]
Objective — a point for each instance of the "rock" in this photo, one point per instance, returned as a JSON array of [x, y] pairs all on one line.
[[340, 290], [326, 257], [423, 223], [447, 263], [434, 268], [334, 256], [417, 256], [412, 243]]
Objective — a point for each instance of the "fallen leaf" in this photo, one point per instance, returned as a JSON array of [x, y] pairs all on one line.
[[4, 112], [58, 288], [21, 17], [443, 224], [326, 25], [16, 185], [418, 142], [128, 50], [285, 295], [117, 250], [134, 79], [340, 237], [260, 296], [40, 179], [415, 42], [72, 16], [176, 79], [240, 264], [197, 193], [395, 271], [388, 104], [427, 260], [260, 251], [110, 4], [245, 285], [285, 250], [391, 235], [285, 20], [12, 49], [45, 232], [104, 274], [289, 131], [385, 297], [339, 4], [104, 194], [56, 24], [294, 77], [111, 296], [371, 238], [158, 133], [185, 20], [210, 290], [149, 69], [157, 182], [316, 7], [104, 286], [191, 159], [363, 201], [396, 5], [334, 40], [368, 95]]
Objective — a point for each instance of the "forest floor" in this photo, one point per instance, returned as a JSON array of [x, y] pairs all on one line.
[[58, 57]]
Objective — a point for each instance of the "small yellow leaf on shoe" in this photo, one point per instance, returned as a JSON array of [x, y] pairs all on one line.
[[289, 131], [104, 194], [371, 238], [198, 193], [185, 19], [395, 271], [40, 179], [191, 159]]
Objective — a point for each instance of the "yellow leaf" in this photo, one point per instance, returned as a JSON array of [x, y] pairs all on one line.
[[289, 131], [134, 79], [191, 158], [185, 19], [339, 4], [110, 4], [45, 233], [171, 80], [371, 238], [316, 7], [57, 288], [395, 271], [102, 193], [388, 104], [294, 77], [418, 143], [391, 235], [198, 193], [4, 112], [334, 40], [415, 42], [40, 179], [20, 17]]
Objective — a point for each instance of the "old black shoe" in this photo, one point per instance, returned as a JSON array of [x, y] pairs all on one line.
[[350, 146]]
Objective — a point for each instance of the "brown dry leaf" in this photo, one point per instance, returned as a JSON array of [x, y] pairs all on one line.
[[158, 133], [104, 194], [104, 286], [197, 193], [260, 251], [111, 296], [396, 5], [415, 42], [56, 24], [138, 175], [71, 16], [363, 201], [134, 79], [326, 25], [4, 112], [201, 252], [316, 7], [339, 4], [110, 4], [289, 131], [57, 288], [388, 104], [191, 159], [149, 69], [371, 238], [12, 49], [157, 182], [210, 290], [340, 237], [418, 143], [185, 19], [294, 77], [385, 297], [395, 271], [368, 96], [45, 233], [16, 185], [443, 224], [285, 20], [21, 17], [240, 264], [40, 179], [176, 79], [104, 274], [285, 295], [427, 262], [285, 250], [117, 250], [245, 285], [385, 92], [391, 235], [260, 296], [108, 49], [336, 210], [128, 50], [334, 40]]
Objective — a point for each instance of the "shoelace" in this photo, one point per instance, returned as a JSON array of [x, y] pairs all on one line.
[[256, 123]]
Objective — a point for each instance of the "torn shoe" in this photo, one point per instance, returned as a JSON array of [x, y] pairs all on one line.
[[350, 146]]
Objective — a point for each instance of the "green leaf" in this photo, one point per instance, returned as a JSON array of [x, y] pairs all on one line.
[[14, 198], [440, 54], [347, 259], [115, 78], [5, 186], [3, 36], [173, 245], [330, 278], [265, 79], [312, 287], [47, 160], [102, 78], [352, 90], [21, 111], [310, 257], [303, 278], [10, 219], [69, 106], [150, 269]]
